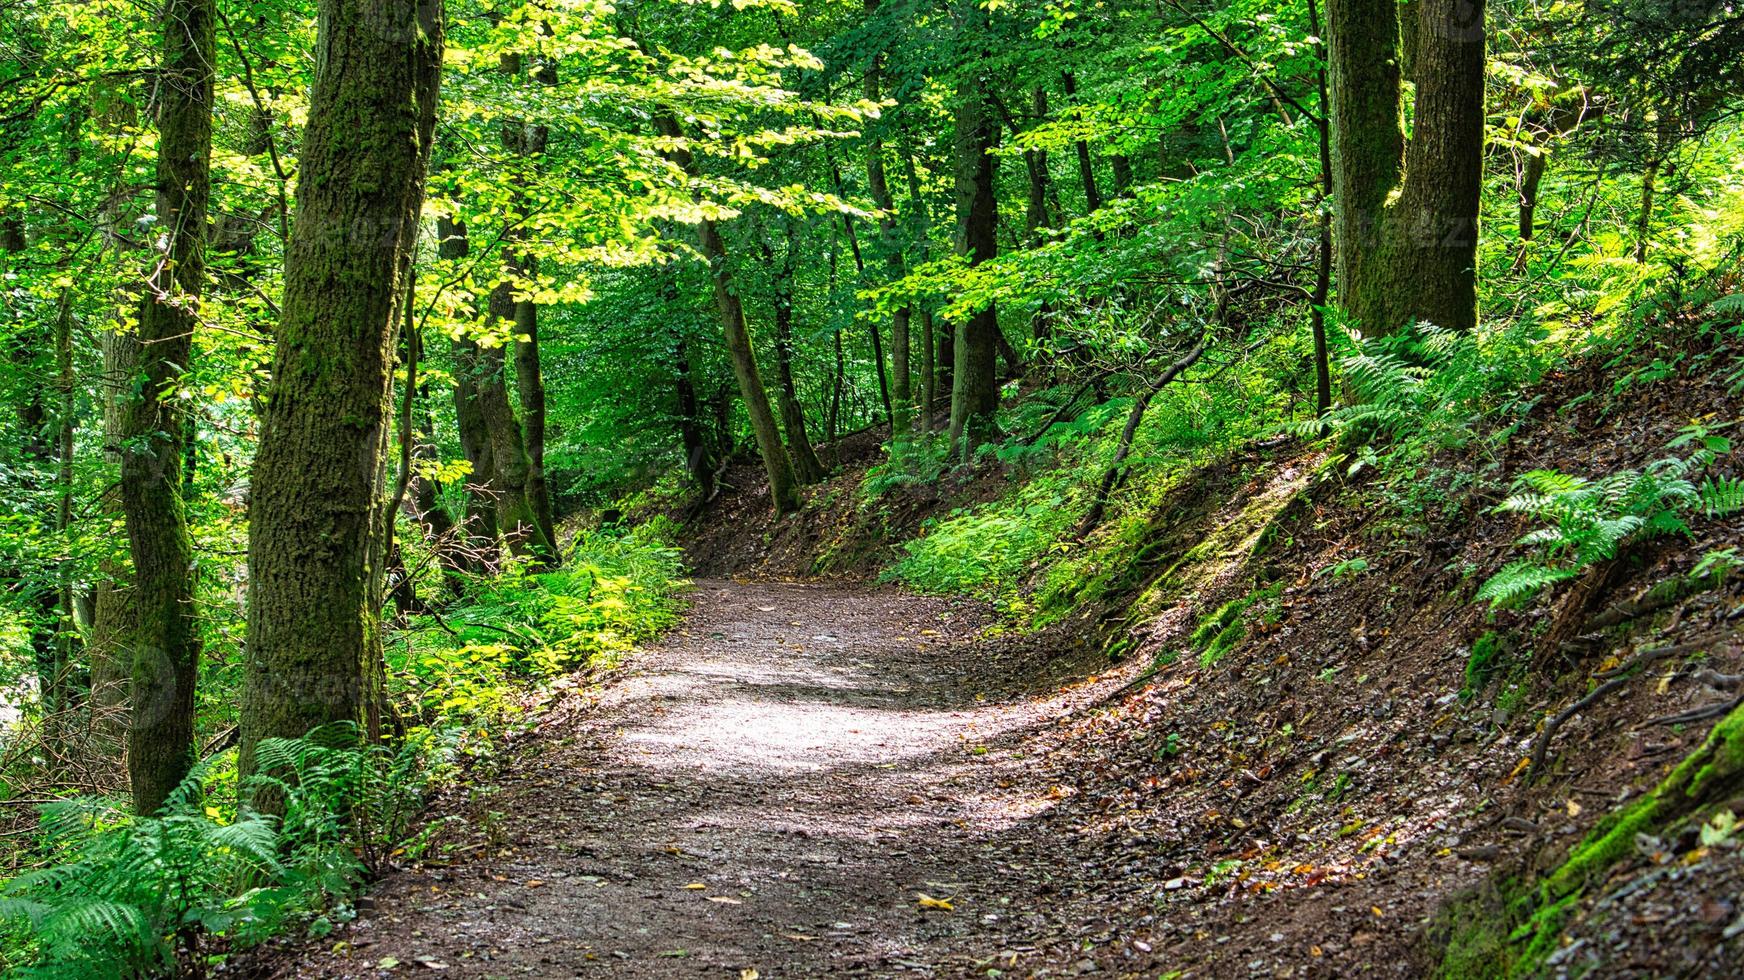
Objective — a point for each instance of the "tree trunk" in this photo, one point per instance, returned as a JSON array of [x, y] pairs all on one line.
[[878, 185], [1530, 177], [783, 484], [699, 463], [805, 461], [1036, 215], [166, 637], [975, 386], [518, 515], [1123, 179], [922, 223], [481, 508], [529, 371], [314, 633], [1323, 260], [1407, 217], [1086, 167]]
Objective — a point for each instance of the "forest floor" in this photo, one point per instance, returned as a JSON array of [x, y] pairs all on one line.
[[806, 780]]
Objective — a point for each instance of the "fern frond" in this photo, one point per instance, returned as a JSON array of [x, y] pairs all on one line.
[[1728, 304], [76, 923], [1551, 482], [1520, 580], [1721, 496]]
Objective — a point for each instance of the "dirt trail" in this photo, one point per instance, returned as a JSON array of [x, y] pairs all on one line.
[[815, 757]]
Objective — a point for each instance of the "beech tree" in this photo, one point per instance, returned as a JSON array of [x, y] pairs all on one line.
[[314, 641], [165, 640]]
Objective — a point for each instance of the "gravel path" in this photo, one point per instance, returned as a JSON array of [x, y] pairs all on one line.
[[771, 791]]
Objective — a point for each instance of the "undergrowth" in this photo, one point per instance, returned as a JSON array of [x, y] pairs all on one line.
[[105, 893]]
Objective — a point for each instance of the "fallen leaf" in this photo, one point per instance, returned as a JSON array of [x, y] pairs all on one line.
[[928, 902], [387, 963], [695, 886], [724, 900], [749, 974]]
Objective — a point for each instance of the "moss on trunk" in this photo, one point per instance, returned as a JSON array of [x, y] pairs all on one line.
[[165, 635], [314, 641], [1407, 216]]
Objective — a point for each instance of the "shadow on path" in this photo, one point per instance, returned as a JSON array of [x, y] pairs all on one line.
[[771, 789]]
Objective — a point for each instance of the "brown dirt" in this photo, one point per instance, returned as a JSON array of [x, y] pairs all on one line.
[[814, 757]]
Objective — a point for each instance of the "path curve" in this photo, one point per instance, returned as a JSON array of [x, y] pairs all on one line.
[[772, 789]]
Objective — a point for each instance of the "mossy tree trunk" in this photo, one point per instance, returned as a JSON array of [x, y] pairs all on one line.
[[528, 142], [974, 382], [481, 509], [1407, 216], [512, 478], [783, 483], [314, 634], [166, 637]]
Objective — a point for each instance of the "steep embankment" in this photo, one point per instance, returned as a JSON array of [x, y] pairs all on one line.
[[1328, 770]]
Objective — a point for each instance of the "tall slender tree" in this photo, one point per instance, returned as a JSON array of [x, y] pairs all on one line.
[[974, 381], [902, 388], [166, 638], [783, 483], [314, 636]]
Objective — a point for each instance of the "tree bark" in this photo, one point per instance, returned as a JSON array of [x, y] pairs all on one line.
[[902, 387], [512, 478], [1406, 227], [783, 484], [529, 369], [1323, 260], [922, 224], [805, 461], [975, 386], [481, 509], [166, 636], [314, 633], [1086, 167]]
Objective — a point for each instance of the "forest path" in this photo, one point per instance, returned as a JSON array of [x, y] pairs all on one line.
[[770, 789]]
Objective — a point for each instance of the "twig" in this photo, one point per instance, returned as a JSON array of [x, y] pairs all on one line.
[[1550, 727], [1702, 713]]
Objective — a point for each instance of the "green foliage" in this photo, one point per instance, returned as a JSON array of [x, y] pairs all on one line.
[[1217, 633], [1426, 389], [980, 551], [1481, 664], [1588, 521], [469, 666], [115, 895], [910, 461]]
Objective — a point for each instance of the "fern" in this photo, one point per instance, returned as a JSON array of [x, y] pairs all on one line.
[[1586, 521], [1721, 496], [1520, 580], [1728, 304], [124, 896]]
